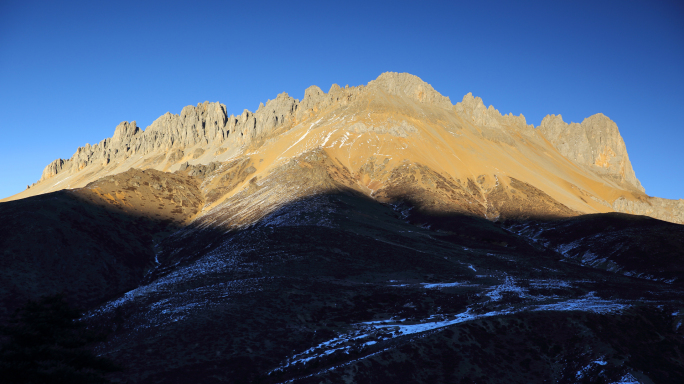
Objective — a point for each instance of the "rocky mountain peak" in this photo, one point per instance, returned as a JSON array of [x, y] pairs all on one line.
[[411, 86]]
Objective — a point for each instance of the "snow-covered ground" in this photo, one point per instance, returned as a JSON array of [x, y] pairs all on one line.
[[369, 333]]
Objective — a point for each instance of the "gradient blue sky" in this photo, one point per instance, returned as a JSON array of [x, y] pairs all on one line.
[[71, 71]]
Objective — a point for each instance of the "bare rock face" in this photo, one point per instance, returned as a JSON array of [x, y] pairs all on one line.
[[595, 143], [53, 168], [474, 111]]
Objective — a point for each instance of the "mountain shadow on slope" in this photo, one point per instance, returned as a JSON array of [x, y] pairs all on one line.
[[365, 217], [60, 243], [235, 305]]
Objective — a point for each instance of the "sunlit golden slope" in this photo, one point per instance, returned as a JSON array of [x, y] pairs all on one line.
[[395, 139]]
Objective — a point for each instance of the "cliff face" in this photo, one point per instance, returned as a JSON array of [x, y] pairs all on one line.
[[595, 143], [379, 134]]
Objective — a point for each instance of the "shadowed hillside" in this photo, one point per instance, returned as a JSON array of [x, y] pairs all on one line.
[[93, 243]]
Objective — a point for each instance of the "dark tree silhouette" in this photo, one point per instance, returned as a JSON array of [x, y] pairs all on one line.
[[45, 343]]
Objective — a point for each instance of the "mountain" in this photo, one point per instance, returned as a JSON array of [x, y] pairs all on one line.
[[396, 121], [376, 233]]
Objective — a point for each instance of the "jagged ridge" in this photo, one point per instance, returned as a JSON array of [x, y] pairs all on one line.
[[200, 133]]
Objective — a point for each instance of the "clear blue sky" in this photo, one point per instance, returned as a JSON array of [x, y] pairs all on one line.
[[71, 71]]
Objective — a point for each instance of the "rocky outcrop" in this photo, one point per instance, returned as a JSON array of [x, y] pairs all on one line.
[[489, 123], [473, 110], [53, 168], [316, 100], [595, 143], [656, 207]]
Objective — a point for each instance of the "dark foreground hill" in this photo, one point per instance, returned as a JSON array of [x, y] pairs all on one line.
[[339, 288]]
